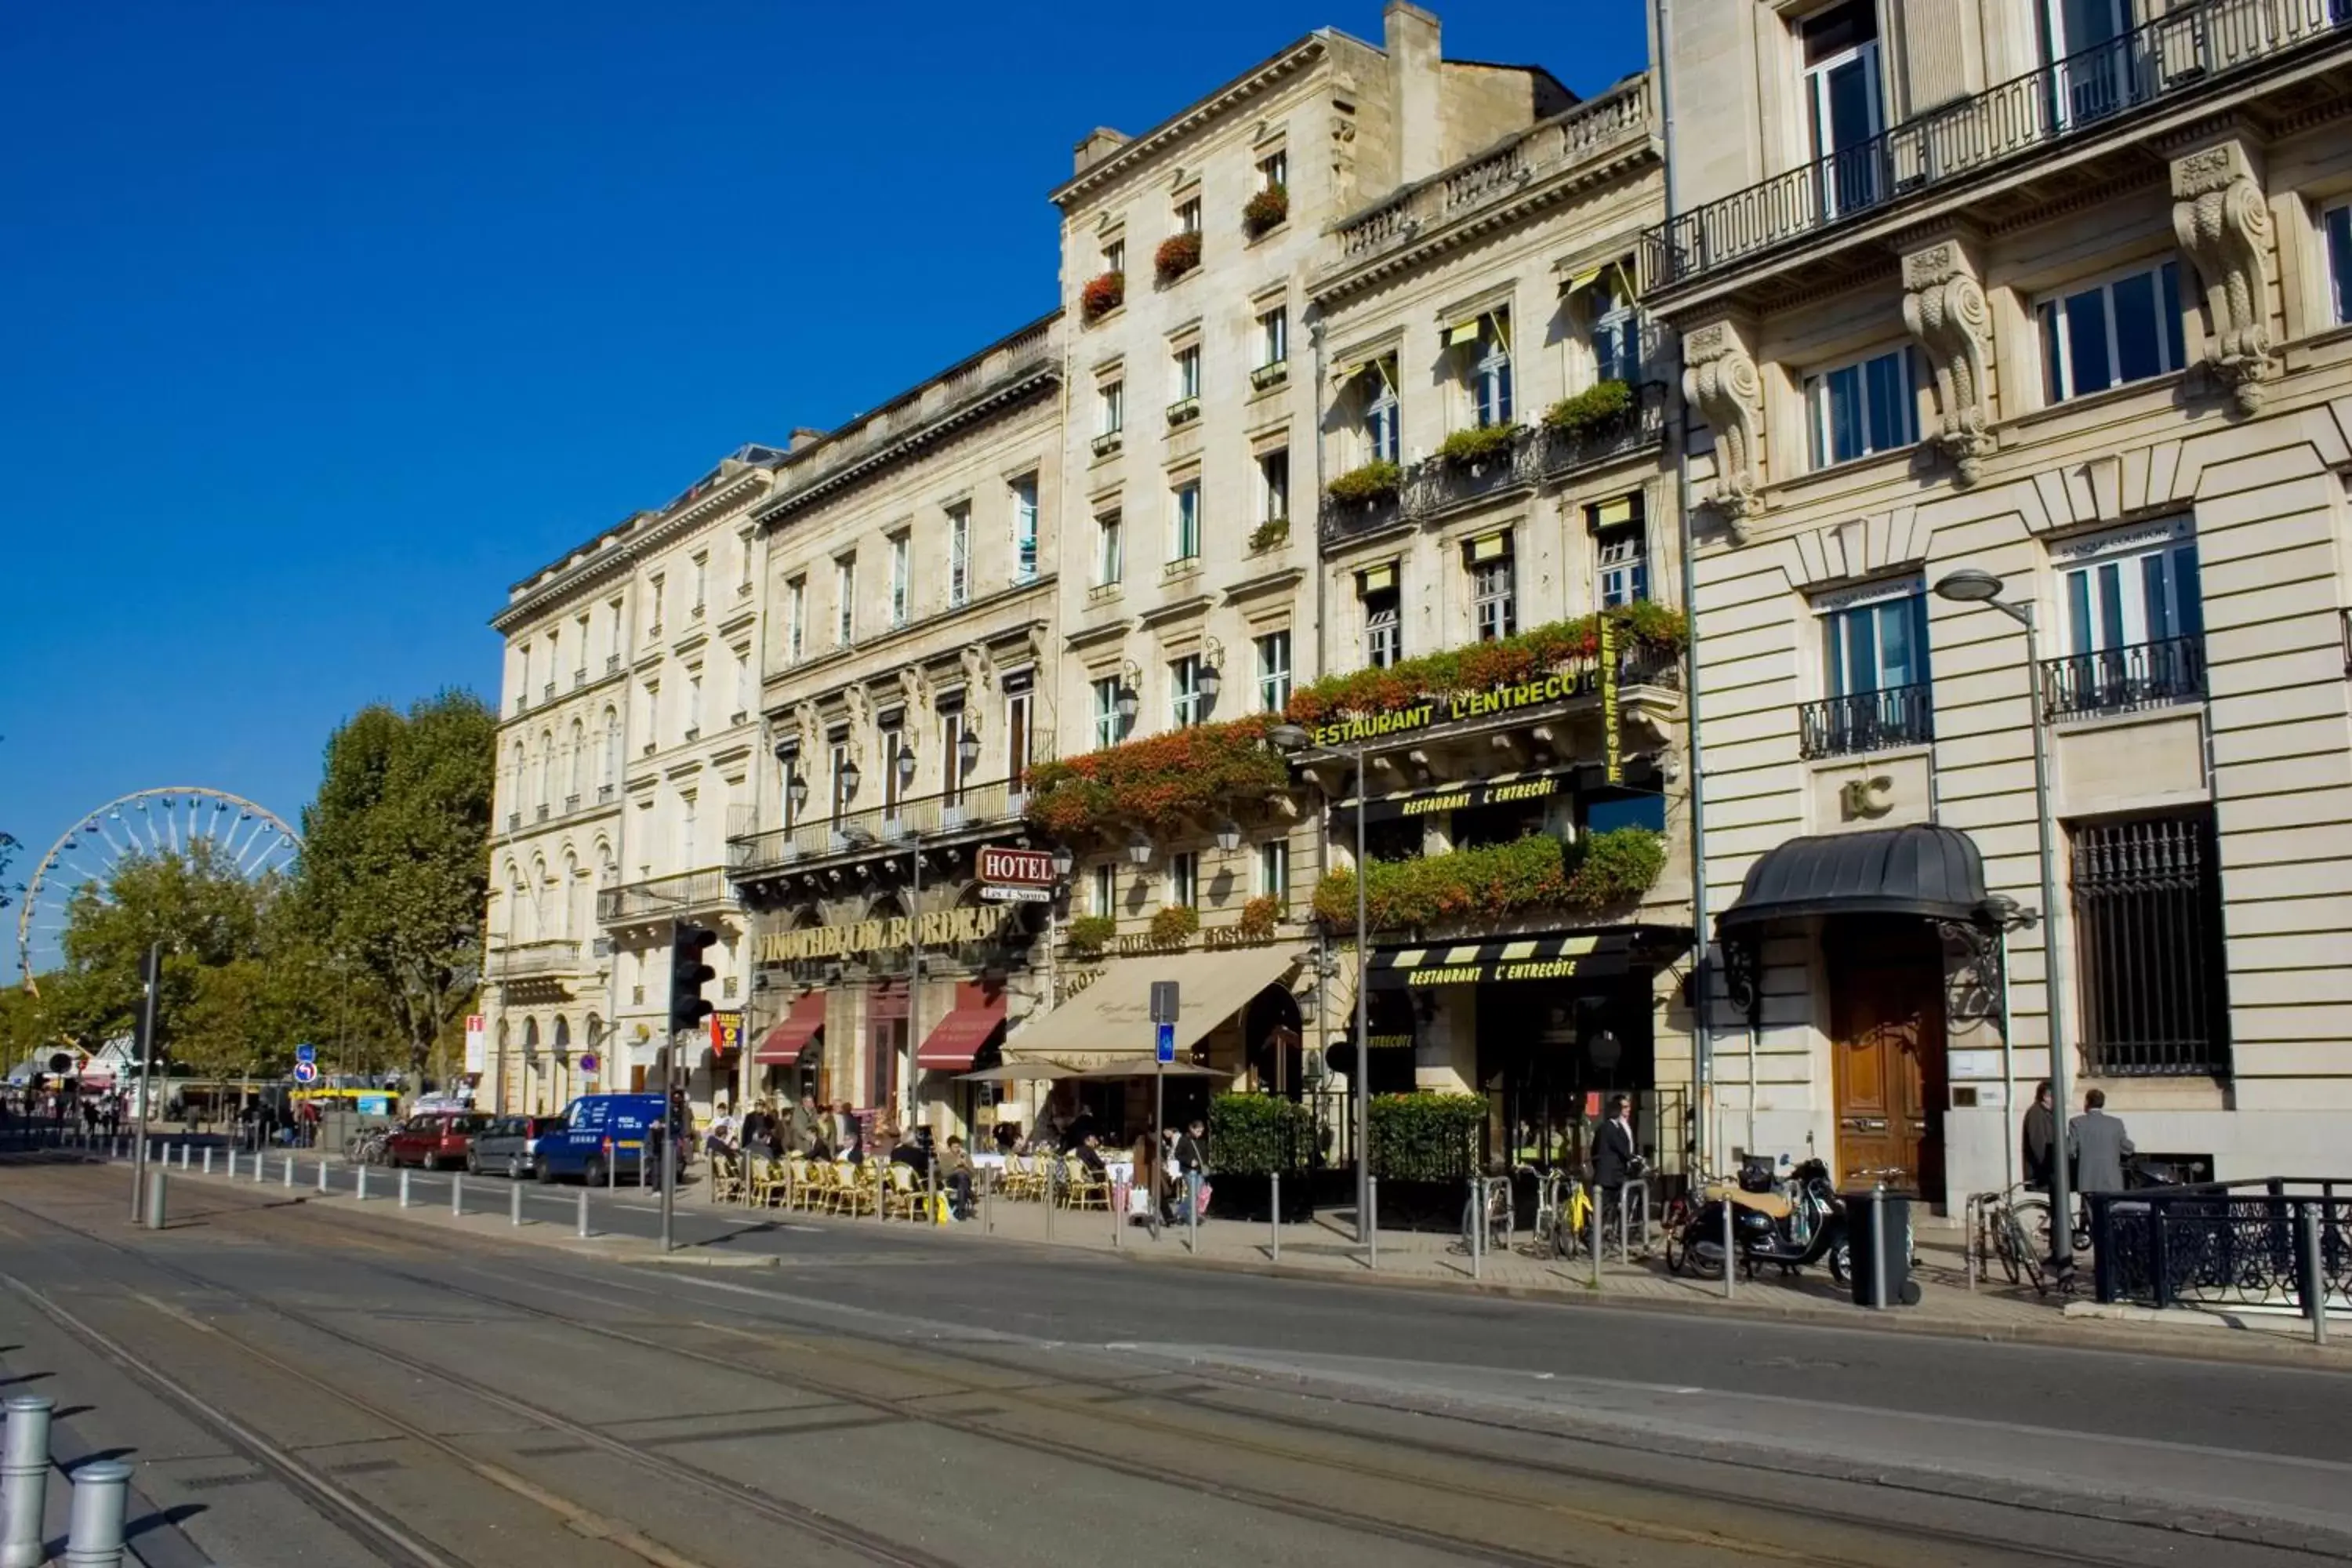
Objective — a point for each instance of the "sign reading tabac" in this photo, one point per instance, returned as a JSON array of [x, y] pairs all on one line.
[[936, 928], [1556, 687]]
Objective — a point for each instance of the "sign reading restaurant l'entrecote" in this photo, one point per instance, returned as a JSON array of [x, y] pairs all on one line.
[[1552, 687], [936, 928]]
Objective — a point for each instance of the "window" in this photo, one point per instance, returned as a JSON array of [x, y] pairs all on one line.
[[1274, 672], [702, 582], [1274, 336], [1187, 216], [1024, 529], [839, 762], [1615, 333], [1106, 704], [958, 556], [1102, 895], [1184, 541], [1274, 485], [1184, 691], [580, 625], [613, 635], [795, 618], [2338, 224], [1110, 554], [1114, 255], [1621, 545], [1874, 654], [687, 835], [744, 560], [844, 600], [894, 745], [693, 701], [952, 773], [1274, 170], [1188, 371], [1842, 104], [2148, 946], [1376, 391], [1486, 345], [1383, 617], [790, 765], [2135, 625], [2124, 330], [1184, 877], [1110, 408], [1016, 735], [655, 595], [2085, 43], [743, 657], [902, 573], [1494, 598], [1863, 407], [1274, 871]]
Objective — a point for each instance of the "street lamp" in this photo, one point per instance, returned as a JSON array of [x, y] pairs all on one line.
[[850, 776], [1139, 847], [905, 766], [1064, 861], [968, 753], [1229, 836], [1290, 740], [1126, 702], [1972, 586], [796, 793]]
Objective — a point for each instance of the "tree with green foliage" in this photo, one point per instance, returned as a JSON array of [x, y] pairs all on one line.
[[395, 859]]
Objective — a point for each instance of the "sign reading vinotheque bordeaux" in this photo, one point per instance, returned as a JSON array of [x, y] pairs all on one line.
[[1015, 875]]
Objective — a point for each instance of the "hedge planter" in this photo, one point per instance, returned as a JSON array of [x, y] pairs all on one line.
[[1598, 873], [1101, 296], [1158, 783], [1177, 255], [1373, 481], [1266, 210], [1251, 1198], [1598, 408], [1480, 666]]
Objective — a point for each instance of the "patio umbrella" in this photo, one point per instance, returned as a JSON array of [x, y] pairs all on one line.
[[1017, 1072], [1144, 1067]]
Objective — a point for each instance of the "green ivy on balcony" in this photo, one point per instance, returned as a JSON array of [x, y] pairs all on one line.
[[1478, 667], [1601, 872]]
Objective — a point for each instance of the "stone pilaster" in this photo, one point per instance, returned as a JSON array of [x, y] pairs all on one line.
[[2222, 220], [1720, 380], [1944, 307]]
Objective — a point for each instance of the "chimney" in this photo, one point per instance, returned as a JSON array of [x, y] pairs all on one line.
[[802, 436], [1416, 65], [1099, 143]]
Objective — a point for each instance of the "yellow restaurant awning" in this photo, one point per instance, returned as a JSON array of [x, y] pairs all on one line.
[[1113, 1016]]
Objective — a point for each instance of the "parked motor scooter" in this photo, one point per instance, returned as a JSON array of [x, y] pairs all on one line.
[[1789, 1226]]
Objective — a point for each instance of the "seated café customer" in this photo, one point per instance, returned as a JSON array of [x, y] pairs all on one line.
[[914, 1152], [1089, 1154], [955, 1166]]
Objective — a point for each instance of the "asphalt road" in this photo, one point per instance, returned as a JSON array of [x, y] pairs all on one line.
[[307, 1382]]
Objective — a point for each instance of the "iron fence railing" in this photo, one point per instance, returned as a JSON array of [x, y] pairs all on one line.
[[2188, 49], [682, 894], [1642, 426], [2125, 679], [878, 827], [1866, 721], [2226, 1244], [523, 960]]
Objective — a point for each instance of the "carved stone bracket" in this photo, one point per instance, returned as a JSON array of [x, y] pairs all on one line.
[[1944, 307], [809, 727], [913, 689], [1720, 381], [2220, 218], [979, 671]]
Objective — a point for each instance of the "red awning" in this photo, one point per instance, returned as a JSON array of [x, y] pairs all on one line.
[[787, 1041], [951, 1046]]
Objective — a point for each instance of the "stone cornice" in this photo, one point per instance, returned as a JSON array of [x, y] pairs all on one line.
[[1147, 148], [655, 532]]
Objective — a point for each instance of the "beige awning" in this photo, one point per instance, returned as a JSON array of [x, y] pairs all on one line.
[[1113, 1016]]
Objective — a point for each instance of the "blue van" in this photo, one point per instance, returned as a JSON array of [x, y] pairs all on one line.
[[600, 1133]]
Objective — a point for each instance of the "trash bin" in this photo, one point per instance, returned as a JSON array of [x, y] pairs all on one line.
[[1878, 1229]]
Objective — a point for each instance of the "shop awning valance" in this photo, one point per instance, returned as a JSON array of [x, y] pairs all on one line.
[[1566, 956], [1114, 1014], [1933, 873], [958, 1039], [803, 1023]]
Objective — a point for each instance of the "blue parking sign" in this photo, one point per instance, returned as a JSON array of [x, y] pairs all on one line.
[[306, 1053], [1167, 1044]]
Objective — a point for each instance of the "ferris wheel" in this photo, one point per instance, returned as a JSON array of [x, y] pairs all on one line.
[[249, 840]]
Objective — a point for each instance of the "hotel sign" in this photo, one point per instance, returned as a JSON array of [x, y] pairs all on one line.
[[1557, 687], [854, 939]]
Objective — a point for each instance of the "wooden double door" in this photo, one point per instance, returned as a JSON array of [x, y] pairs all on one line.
[[1886, 1029]]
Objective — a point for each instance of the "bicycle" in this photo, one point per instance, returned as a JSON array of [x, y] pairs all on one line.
[[1560, 1224], [2016, 1230], [372, 1147], [1493, 1195]]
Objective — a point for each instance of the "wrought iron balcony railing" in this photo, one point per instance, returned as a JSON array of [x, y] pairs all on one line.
[[2125, 679], [878, 829], [527, 960], [2188, 49], [1866, 721], [661, 898]]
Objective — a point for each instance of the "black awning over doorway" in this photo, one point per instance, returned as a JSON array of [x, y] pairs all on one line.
[[1934, 873]]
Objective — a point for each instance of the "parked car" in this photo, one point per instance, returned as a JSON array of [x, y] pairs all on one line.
[[435, 1139], [508, 1146], [602, 1136]]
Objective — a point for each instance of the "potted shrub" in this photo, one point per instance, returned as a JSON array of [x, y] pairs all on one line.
[[1473, 448], [1172, 925], [1597, 407], [1376, 480], [1101, 296], [1266, 210], [1177, 255], [1273, 531], [1259, 917], [1089, 934], [1424, 1148]]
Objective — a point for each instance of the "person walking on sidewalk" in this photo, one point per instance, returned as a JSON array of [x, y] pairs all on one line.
[[2099, 1146], [2041, 1137], [1615, 1159], [1191, 1158]]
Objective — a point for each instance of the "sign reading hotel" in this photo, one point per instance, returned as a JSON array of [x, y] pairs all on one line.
[[1015, 875], [1553, 688], [935, 928]]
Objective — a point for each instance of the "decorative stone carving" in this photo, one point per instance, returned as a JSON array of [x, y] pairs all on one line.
[[979, 674], [913, 689], [1944, 307], [810, 726], [1719, 379], [2222, 221], [861, 712]]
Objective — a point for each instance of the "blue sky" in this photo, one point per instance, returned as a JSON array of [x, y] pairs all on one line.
[[328, 321]]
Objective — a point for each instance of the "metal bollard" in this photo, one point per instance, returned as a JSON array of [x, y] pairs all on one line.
[[1878, 1247], [1372, 1196], [1477, 1225], [260, 1166], [457, 1194], [1192, 1212], [1730, 1255], [1276, 1188], [24, 1482], [359, 1186], [183, 1156], [94, 1536], [403, 1187], [208, 1160], [231, 1152], [1599, 1227], [289, 1171], [514, 1204], [323, 1176], [157, 1203], [584, 1213], [2313, 1286]]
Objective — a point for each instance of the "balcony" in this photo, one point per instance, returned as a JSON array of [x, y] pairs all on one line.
[[2125, 679], [1437, 485], [1866, 721], [1183, 411], [580, 678], [1345, 519], [1639, 428], [876, 830], [2187, 49], [1109, 441], [534, 960], [664, 898], [1272, 374]]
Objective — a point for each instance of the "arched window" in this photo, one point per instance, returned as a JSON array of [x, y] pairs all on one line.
[[518, 909], [517, 779], [531, 1037], [546, 769], [563, 1036]]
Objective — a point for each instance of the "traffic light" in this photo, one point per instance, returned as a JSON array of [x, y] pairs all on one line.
[[687, 976]]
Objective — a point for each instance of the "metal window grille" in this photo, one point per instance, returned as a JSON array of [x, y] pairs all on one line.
[[2148, 942]]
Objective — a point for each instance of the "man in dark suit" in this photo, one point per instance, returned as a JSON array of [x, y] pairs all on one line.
[[1615, 1159]]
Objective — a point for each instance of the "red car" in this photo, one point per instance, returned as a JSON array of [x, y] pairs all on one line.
[[435, 1139]]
